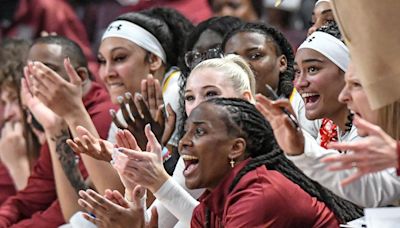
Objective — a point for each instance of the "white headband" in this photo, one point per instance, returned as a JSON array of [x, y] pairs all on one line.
[[329, 46], [319, 1], [137, 35]]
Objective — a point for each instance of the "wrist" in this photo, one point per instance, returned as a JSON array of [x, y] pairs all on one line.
[[128, 194], [74, 113], [163, 178]]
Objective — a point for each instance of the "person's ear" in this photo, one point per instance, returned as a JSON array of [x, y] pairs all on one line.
[[238, 149], [83, 73], [248, 96], [155, 63], [282, 61]]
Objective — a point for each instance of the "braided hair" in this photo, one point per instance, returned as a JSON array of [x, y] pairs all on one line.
[[262, 147], [282, 47]]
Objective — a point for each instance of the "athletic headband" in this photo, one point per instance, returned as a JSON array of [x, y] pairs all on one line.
[[329, 46], [137, 35], [319, 1]]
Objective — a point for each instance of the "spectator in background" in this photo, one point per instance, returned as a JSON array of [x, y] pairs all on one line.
[[27, 19], [249, 11], [19, 142], [283, 17]]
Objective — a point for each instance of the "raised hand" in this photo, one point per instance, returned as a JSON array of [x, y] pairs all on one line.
[[373, 153], [87, 144], [61, 96], [289, 138], [143, 168], [46, 117], [13, 145], [113, 210], [146, 108]]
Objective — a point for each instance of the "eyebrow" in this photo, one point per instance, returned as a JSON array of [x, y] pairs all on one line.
[[326, 11], [312, 60], [204, 87]]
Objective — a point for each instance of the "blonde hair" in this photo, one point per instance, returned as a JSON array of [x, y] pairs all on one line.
[[388, 119], [234, 67]]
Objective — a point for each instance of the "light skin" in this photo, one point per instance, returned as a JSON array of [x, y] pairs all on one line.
[[319, 81], [321, 15], [207, 147], [377, 150], [260, 53], [354, 96], [204, 84], [13, 153], [242, 9], [123, 66]]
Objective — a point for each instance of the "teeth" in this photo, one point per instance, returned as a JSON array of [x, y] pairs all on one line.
[[305, 95], [189, 157]]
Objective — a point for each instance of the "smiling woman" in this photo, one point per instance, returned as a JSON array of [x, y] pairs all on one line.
[[230, 149]]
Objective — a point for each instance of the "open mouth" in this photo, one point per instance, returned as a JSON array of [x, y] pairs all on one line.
[[115, 85], [310, 98], [191, 163]]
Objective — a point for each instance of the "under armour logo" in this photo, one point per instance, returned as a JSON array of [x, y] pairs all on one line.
[[116, 27], [311, 39]]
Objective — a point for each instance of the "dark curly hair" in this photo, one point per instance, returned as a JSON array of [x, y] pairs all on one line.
[[244, 120], [285, 86], [331, 28], [169, 27]]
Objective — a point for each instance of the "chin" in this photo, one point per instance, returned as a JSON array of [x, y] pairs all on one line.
[[191, 185]]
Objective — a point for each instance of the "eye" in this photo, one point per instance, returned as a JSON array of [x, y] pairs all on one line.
[[211, 93], [101, 61], [233, 5], [189, 98], [199, 131], [255, 56], [312, 70], [119, 58], [297, 72]]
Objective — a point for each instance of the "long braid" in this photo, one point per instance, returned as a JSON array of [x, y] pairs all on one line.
[[263, 149]]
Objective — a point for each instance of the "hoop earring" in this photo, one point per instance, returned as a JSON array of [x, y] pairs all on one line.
[[232, 162]]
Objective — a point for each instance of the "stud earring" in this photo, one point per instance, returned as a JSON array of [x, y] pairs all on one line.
[[232, 162]]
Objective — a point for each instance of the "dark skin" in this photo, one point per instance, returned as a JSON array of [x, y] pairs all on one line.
[[260, 52], [208, 140], [321, 15], [242, 9], [207, 40]]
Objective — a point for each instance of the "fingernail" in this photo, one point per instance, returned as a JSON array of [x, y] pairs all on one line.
[[148, 126], [128, 95], [112, 112], [120, 99]]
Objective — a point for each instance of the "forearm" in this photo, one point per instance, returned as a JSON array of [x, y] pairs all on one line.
[[20, 173], [177, 200], [372, 190], [102, 174], [66, 172]]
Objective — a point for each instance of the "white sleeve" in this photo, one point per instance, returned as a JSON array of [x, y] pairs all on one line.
[[371, 190], [174, 201]]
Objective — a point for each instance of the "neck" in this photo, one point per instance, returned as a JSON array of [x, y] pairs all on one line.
[[340, 118]]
